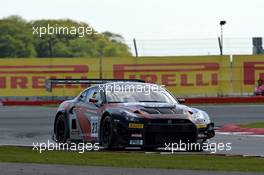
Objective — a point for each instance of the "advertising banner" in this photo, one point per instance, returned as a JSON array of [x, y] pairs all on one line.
[[205, 75], [26, 77], [187, 75], [247, 69]]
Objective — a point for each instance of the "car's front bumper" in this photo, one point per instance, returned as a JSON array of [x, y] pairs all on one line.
[[157, 132]]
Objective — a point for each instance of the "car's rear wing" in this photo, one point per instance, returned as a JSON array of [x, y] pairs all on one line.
[[50, 82]]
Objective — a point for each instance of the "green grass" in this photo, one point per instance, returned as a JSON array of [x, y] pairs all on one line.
[[133, 160], [254, 125]]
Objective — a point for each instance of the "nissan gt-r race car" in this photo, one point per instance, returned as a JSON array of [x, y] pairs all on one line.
[[128, 114]]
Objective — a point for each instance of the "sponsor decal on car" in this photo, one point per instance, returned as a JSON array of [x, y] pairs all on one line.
[[136, 125], [201, 126], [136, 142]]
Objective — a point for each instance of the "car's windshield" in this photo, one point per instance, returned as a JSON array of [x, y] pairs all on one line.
[[133, 95]]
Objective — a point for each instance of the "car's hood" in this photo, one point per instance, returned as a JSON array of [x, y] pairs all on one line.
[[187, 108], [149, 105], [177, 108]]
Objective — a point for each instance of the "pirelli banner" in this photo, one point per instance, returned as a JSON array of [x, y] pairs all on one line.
[[201, 75], [204, 75], [26, 77], [247, 69]]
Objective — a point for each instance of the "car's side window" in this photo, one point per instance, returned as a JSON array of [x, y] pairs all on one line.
[[94, 94], [83, 95], [90, 94], [98, 96]]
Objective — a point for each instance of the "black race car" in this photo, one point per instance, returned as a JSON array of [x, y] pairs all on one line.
[[129, 113]]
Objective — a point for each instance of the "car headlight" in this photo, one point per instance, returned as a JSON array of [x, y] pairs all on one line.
[[201, 117], [130, 116]]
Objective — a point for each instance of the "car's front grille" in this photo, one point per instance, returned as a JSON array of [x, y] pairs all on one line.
[[168, 121], [170, 128], [160, 139], [159, 133]]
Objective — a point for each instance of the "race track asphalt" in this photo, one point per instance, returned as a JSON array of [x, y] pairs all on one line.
[[237, 114], [25, 125], [28, 125]]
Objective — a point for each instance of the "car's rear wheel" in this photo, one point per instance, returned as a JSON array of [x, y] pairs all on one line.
[[61, 129], [107, 133]]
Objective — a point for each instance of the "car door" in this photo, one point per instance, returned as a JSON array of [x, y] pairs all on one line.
[[88, 114]]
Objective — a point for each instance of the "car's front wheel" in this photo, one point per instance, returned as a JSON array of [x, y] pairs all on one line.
[[61, 129], [107, 133]]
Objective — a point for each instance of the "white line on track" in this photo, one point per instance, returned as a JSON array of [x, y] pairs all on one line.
[[228, 105], [251, 134]]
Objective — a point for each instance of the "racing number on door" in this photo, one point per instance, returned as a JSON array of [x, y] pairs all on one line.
[[94, 127], [94, 124]]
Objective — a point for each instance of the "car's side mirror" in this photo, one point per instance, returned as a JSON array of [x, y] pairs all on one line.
[[92, 100], [181, 100], [95, 102]]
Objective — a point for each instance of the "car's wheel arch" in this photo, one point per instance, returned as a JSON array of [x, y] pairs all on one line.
[[105, 114], [56, 118], [113, 113], [59, 113]]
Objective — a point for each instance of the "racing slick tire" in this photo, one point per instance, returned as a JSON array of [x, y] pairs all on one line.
[[61, 130], [107, 133]]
